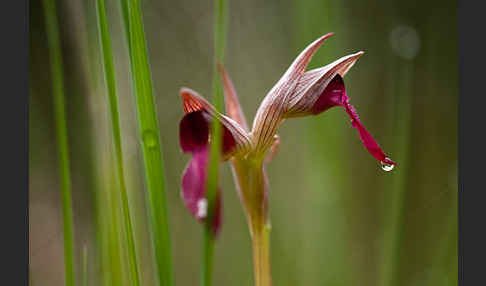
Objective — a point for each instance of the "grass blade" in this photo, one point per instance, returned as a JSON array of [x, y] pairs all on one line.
[[62, 136], [150, 138], [110, 81], [220, 19]]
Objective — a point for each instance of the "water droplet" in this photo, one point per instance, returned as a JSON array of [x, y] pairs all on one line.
[[202, 208], [387, 167], [149, 138]]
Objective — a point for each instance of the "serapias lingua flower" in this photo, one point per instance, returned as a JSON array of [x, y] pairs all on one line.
[[298, 93]]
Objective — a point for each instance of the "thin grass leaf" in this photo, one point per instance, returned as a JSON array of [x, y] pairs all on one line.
[[125, 16], [55, 57], [220, 20], [110, 81], [113, 230], [150, 138]]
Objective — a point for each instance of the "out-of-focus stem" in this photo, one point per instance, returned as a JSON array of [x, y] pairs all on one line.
[[109, 69], [220, 25], [55, 56]]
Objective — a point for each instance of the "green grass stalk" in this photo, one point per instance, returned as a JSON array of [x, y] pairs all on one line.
[[126, 21], [220, 20], [55, 57], [115, 243], [110, 81], [150, 138]]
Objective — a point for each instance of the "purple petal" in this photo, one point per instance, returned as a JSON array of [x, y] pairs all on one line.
[[335, 94], [331, 96], [229, 142], [235, 138], [194, 189], [193, 131], [368, 141]]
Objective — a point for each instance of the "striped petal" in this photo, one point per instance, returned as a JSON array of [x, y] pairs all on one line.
[[312, 84], [233, 107], [270, 114]]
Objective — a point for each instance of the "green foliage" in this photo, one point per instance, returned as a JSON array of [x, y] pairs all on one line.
[[220, 19], [150, 138], [57, 77], [110, 81]]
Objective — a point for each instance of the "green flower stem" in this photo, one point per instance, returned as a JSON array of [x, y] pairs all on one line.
[[62, 137], [110, 80], [254, 190], [261, 255], [260, 226]]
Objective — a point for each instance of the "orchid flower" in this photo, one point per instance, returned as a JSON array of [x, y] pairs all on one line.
[[298, 93]]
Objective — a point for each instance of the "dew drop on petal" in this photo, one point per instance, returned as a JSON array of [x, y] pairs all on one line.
[[202, 208], [387, 167]]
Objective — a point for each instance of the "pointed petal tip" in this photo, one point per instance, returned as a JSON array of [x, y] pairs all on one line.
[[328, 35], [318, 42], [185, 91], [190, 100], [354, 57], [220, 66], [221, 70]]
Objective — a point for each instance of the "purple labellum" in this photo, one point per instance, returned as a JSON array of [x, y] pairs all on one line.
[[194, 188], [194, 137], [193, 132], [335, 94]]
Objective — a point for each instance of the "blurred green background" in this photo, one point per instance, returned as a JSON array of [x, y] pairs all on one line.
[[337, 217]]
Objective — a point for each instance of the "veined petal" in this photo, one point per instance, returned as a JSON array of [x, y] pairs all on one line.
[[194, 189], [193, 127], [273, 149], [233, 107], [312, 84], [335, 95], [270, 113]]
